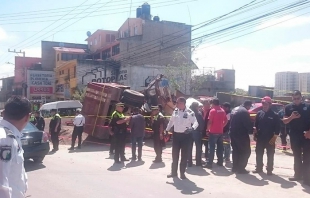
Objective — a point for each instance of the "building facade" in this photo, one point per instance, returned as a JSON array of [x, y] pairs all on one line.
[[22, 64], [208, 85], [304, 83], [286, 82], [261, 91], [49, 53]]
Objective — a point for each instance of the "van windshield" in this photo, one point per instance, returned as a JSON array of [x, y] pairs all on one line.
[[66, 111]]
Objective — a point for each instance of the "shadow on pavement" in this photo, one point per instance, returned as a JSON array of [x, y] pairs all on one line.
[[251, 180], [116, 167], [132, 164], [89, 147], [221, 171], [279, 180], [186, 187], [197, 170], [306, 188], [157, 165], [32, 166]]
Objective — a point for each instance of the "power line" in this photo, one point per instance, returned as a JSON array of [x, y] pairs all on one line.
[[43, 21], [64, 23], [47, 26], [18, 18]]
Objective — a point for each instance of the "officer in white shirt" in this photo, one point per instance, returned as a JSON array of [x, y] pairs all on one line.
[[13, 178], [79, 122], [184, 122]]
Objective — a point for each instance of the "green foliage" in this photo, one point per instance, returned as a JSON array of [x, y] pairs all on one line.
[[79, 94], [241, 92]]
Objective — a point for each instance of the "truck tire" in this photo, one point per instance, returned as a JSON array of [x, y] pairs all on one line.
[[131, 102], [133, 95]]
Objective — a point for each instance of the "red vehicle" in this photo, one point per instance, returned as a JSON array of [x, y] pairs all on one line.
[[256, 107]]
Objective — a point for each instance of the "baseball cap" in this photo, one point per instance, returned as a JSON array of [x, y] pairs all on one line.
[[266, 99]]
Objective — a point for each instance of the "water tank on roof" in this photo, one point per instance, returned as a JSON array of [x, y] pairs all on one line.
[[146, 11], [156, 18], [139, 12]]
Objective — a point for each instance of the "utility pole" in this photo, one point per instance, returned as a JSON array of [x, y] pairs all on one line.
[[24, 84]]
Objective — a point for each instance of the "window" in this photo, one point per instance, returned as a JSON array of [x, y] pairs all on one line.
[[59, 72], [57, 57], [106, 54], [95, 41], [112, 38], [100, 39], [91, 43], [68, 71], [74, 72], [108, 38], [135, 30], [115, 50]]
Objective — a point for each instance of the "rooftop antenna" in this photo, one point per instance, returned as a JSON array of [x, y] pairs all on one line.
[[61, 45], [88, 33]]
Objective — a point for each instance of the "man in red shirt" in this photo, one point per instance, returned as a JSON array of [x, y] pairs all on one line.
[[217, 121]]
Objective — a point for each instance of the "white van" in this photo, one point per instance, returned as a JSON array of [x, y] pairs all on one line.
[[64, 108]]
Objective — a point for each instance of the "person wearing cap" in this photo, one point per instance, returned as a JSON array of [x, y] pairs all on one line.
[[240, 127], [266, 131], [137, 129], [157, 120], [78, 122], [184, 122], [54, 129], [119, 130], [297, 116], [40, 121]]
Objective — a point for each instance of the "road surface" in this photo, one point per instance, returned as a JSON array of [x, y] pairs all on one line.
[[90, 173]]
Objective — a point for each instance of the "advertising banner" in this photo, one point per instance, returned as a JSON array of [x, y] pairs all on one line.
[[40, 83]]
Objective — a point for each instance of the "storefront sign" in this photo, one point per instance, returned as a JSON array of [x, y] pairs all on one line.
[[40, 82], [41, 90]]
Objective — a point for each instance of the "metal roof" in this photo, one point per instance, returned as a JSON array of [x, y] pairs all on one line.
[[70, 50]]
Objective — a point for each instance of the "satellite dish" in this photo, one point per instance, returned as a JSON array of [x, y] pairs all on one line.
[[61, 44], [88, 33]]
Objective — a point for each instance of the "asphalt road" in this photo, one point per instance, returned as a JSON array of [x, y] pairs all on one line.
[[90, 173]]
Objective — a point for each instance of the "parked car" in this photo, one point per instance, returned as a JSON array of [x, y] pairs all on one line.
[[35, 143]]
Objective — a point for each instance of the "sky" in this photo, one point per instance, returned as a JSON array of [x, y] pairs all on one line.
[[255, 57]]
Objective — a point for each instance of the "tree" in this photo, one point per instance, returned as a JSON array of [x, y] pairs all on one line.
[[239, 91], [79, 94]]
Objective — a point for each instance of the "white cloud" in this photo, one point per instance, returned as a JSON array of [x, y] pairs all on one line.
[[289, 22], [33, 52], [257, 67], [3, 34]]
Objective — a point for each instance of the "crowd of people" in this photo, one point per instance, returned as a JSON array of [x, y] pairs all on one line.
[[223, 131], [216, 126]]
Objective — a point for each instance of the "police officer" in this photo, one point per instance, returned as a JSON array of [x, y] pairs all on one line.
[[78, 123], [240, 127], [33, 119], [184, 122], [55, 127], [40, 121], [119, 131], [13, 178], [297, 116], [267, 129], [157, 119]]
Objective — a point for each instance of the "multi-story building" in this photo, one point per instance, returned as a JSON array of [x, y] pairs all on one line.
[[145, 43], [285, 82], [22, 64], [304, 83], [49, 50], [218, 81], [260, 91]]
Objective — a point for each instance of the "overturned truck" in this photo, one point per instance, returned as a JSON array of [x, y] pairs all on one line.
[[100, 100]]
